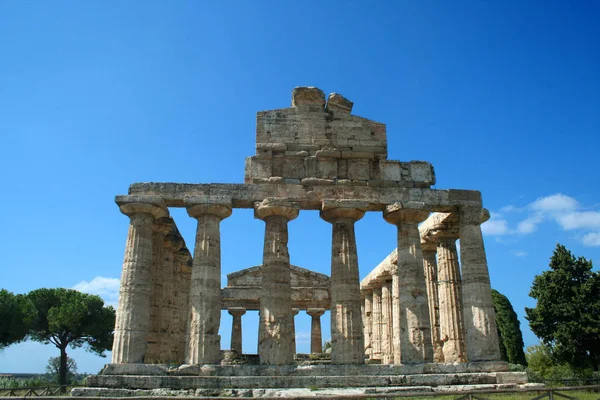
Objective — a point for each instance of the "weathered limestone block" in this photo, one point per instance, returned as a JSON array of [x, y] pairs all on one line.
[[236, 328], [430, 267], [347, 339], [415, 329], [478, 308], [204, 342], [133, 313], [308, 96], [276, 321], [339, 104]]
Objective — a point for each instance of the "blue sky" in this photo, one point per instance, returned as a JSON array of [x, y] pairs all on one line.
[[503, 98]]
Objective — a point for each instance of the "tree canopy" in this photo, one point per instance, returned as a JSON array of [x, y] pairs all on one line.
[[567, 315], [509, 329], [66, 317], [16, 315]]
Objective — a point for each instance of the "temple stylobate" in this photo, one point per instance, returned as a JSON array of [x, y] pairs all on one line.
[[420, 310]]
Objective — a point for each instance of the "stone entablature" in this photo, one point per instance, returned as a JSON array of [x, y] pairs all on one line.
[[315, 142]]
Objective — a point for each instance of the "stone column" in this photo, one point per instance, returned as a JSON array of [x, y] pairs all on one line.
[[451, 322], [431, 276], [204, 342], [183, 264], [347, 341], [368, 323], [376, 326], [295, 312], [415, 329], [316, 337], [387, 349], [236, 328], [478, 308], [395, 320], [276, 336], [133, 313]]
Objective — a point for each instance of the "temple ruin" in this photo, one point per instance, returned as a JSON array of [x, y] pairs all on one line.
[[418, 319]]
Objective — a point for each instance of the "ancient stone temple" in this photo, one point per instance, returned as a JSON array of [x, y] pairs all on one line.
[[419, 319]]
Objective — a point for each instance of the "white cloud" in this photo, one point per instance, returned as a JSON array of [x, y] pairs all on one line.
[[579, 220], [495, 226], [519, 253], [555, 202], [511, 209], [592, 239], [302, 337], [529, 225], [106, 288]]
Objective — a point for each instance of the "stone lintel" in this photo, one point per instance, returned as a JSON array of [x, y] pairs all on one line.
[[307, 198], [387, 268], [276, 206]]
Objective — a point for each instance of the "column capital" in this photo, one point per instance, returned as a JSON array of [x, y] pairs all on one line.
[[333, 210], [295, 311], [406, 212], [275, 206], [236, 311], [154, 210], [428, 245], [315, 312], [473, 215], [220, 210], [163, 226]]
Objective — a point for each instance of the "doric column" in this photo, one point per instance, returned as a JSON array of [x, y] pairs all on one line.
[[478, 308], [451, 322], [133, 313], [387, 349], [430, 267], [295, 312], [376, 324], [276, 336], [236, 328], [368, 322], [415, 330], [183, 265], [395, 318], [204, 342], [316, 337], [347, 341]]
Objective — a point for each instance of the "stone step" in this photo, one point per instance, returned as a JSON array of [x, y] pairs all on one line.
[[251, 382]]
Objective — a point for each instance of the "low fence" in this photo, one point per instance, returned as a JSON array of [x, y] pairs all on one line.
[[55, 390]]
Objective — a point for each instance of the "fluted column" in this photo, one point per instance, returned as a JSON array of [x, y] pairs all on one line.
[[376, 324], [236, 328], [276, 336], [451, 322], [368, 322], [387, 347], [415, 329], [204, 342], [430, 267], [295, 312], [347, 341], [395, 318], [183, 265], [133, 313], [316, 337], [478, 308]]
